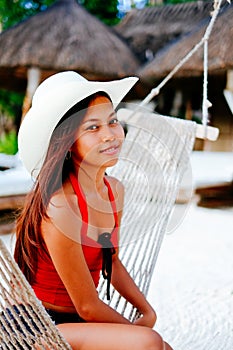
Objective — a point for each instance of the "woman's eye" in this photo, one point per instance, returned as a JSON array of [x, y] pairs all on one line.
[[92, 127], [114, 121]]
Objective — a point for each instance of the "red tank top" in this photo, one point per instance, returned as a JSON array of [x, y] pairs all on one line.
[[47, 285]]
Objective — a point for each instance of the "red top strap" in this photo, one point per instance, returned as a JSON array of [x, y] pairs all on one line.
[[83, 204]]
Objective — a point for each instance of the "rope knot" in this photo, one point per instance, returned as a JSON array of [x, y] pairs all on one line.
[[107, 251], [104, 240]]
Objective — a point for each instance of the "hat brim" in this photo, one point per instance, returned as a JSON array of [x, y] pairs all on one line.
[[46, 111]]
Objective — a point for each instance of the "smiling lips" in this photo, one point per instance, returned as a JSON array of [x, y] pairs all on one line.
[[112, 150]]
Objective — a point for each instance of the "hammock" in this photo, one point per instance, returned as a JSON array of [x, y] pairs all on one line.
[[154, 158]]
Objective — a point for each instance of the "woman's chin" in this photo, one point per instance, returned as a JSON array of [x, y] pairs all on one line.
[[110, 162]]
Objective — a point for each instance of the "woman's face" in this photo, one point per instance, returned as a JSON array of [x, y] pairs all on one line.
[[100, 135]]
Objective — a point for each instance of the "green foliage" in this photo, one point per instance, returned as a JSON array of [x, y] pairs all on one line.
[[14, 11], [106, 11], [8, 143], [10, 102], [10, 107]]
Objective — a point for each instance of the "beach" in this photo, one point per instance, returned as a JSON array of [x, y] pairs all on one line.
[[192, 285]]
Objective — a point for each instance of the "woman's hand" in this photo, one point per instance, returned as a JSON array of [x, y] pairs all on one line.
[[125, 285], [147, 319]]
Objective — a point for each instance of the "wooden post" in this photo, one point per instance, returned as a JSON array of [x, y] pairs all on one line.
[[229, 85], [228, 92], [33, 80], [199, 143]]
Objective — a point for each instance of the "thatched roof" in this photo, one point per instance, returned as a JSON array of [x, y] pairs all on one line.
[[64, 36], [220, 51], [149, 29]]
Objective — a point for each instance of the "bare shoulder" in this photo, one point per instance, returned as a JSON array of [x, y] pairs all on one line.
[[63, 215], [63, 201]]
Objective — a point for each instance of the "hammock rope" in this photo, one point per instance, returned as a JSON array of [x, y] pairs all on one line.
[[204, 41], [24, 323]]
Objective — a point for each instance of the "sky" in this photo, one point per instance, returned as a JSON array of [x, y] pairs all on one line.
[[125, 5]]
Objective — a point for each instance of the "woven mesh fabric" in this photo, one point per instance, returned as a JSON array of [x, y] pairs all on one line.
[[154, 158], [24, 323]]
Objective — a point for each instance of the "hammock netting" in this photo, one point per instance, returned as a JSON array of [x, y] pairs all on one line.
[[24, 322], [154, 158]]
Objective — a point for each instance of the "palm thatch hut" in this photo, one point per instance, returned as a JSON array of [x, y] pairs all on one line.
[[63, 37], [220, 48], [148, 30], [182, 95]]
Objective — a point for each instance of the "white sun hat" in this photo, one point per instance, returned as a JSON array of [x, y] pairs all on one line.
[[52, 99]]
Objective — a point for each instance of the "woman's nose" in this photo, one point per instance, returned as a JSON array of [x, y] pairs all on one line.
[[107, 134], [107, 138]]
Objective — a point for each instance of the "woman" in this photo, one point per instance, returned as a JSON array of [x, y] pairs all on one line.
[[68, 229]]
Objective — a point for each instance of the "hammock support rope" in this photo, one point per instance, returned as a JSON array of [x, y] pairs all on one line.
[[204, 41]]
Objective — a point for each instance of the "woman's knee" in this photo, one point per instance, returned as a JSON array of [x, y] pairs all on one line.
[[152, 340]]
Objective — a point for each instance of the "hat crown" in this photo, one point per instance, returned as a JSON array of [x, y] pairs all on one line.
[[56, 81]]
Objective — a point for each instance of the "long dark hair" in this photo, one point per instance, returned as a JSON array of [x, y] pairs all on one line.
[[53, 174]]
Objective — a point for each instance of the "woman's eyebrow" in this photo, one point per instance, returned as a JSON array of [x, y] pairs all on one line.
[[91, 120]]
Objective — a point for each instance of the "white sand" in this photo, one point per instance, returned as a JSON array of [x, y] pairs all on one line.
[[192, 286]]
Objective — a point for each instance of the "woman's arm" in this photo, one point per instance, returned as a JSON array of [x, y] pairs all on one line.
[[125, 285]]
